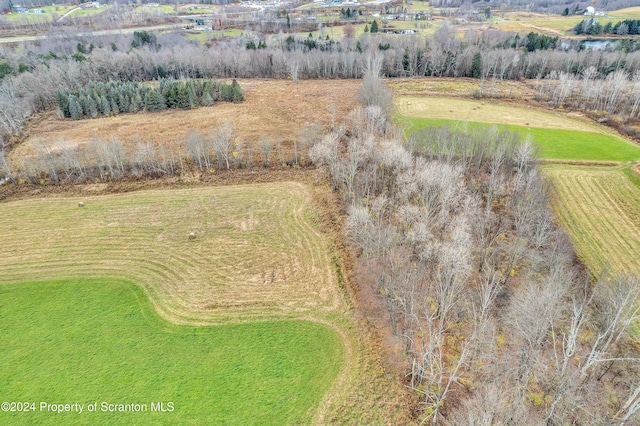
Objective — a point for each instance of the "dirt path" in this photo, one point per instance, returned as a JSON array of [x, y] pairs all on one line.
[[68, 13]]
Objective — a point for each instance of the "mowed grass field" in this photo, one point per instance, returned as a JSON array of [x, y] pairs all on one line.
[[99, 340], [559, 137], [258, 252], [259, 265], [600, 207]]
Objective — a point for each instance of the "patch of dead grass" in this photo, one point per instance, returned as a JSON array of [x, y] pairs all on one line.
[[487, 112], [278, 108]]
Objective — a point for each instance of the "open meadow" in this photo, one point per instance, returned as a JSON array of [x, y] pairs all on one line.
[[257, 251], [99, 340], [277, 108]]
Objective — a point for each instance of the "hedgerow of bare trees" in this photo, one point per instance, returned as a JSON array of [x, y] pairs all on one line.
[[497, 322], [107, 159]]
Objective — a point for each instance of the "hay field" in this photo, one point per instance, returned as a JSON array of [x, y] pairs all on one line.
[[461, 87], [278, 108], [258, 258], [545, 24], [600, 207], [257, 254], [627, 13], [496, 113]]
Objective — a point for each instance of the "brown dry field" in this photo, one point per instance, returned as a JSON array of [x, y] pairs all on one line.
[[461, 87], [496, 113], [259, 251], [278, 108]]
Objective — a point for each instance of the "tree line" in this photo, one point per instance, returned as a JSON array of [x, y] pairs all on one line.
[[592, 26], [114, 97], [457, 245], [36, 74], [107, 159], [618, 93]]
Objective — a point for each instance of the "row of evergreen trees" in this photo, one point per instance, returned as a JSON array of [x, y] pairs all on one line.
[[115, 97], [591, 26]]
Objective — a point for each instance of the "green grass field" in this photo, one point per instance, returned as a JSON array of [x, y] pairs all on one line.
[[100, 341], [87, 12], [51, 12], [28, 18], [628, 13], [204, 36], [163, 8], [556, 144], [600, 207]]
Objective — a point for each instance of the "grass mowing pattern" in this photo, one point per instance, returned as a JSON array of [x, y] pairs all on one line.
[[600, 207], [100, 340], [258, 253], [556, 144]]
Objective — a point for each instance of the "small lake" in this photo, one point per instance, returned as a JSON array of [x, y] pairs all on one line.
[[597, 44]]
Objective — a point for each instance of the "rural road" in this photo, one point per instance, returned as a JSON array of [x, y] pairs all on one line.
[[20, 39]]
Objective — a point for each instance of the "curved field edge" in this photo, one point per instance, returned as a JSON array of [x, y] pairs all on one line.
[[600, 207], [258, 252], [86, 341], [559, 136], [554, 144], [51, 236]]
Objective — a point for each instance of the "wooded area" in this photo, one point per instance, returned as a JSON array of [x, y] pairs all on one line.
[[458, 251]]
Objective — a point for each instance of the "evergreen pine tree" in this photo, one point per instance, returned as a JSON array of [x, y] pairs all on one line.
[[92, 107], [374, 26], [62, 98], [476, 66], [207, 100], [237, 96], [75, 109], [183, 96], [154, 101], [171, 96], [226, 93], [192, 99], [84, 103], [114, 107], [123, 104], [105, 107]]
